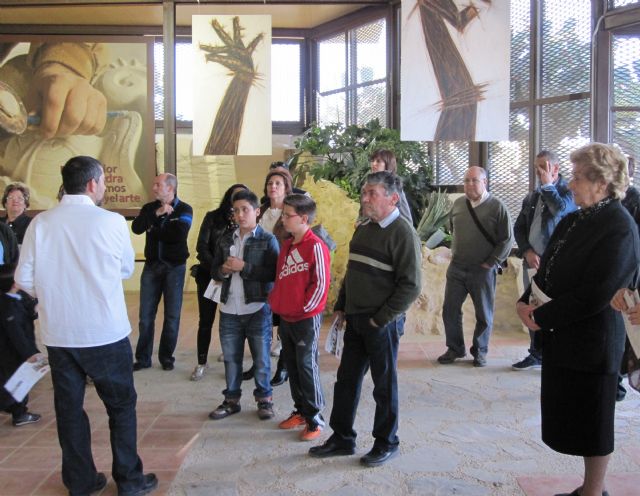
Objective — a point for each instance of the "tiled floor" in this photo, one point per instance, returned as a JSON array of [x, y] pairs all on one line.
[[30, 455]]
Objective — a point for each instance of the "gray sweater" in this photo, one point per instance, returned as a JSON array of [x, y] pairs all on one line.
[[469, 246]]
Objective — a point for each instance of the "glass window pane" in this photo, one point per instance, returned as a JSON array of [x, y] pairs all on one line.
[[622, 3], [509, 162], [520, 49], [184, 92], [285, 82], [452, 160], [371, 51], [372, 104], [626, 134], [565, 127], [332, 108], [626, 71], [566, 47], [332, 63]]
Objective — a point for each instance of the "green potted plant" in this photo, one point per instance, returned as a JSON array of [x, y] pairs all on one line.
[[340, 154]]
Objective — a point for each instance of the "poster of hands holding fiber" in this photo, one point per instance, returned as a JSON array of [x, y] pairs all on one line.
[[455, 70], [232, 93]]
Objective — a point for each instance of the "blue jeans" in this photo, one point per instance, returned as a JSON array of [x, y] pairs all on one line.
[[159, 279], [110, 368], [366, 346], [256, 329], [480, 284]]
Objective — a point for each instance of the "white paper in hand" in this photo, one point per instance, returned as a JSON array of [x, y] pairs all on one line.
[[213, 291], [335, 337], [23, 379]]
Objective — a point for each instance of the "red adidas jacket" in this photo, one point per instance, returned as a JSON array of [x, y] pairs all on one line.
[[302, 279]]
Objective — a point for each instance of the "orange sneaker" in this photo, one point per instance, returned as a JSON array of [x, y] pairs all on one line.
[[294, 420], [309, 434]]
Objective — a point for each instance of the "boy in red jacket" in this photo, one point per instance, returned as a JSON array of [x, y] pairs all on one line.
[[299, 297]]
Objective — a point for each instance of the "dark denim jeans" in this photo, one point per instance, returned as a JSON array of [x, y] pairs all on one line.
[[366, 346], [256, 329], [110, 368], [480, 284], [159, 279]]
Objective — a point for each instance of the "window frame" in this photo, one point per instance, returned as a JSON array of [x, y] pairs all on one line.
[[346, 25], [278, 36]]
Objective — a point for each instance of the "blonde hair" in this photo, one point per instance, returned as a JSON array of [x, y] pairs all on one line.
[[604, 163]]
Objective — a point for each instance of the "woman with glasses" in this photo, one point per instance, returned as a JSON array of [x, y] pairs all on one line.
[[15, 201]]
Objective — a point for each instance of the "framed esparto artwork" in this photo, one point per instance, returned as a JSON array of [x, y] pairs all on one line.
[[455, 70], [231, 84], [95, 95]]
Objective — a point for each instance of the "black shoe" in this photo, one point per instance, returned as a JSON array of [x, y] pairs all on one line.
[[480, 360], [25, 418], [101, 481], [139, 366], [149, 484], [378, 456], [168, 366], [450, 356], [576, 492], [98, 485], [225, 409], [280, 377], [248, 375], [331, 448]]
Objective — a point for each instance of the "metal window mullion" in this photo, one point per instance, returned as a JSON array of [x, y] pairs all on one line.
[[351, 94], [535, 86]]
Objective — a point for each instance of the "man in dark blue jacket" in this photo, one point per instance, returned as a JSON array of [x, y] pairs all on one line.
[[166, 222], [541, 211]]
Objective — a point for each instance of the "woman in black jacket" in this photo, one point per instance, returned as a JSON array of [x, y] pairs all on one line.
[[592, 253], [214, 225]]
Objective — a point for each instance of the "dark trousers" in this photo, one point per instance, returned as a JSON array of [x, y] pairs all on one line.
[[480, 284], [300, 351], [375, 347], [206, 316], [159, 279], [110, 367]]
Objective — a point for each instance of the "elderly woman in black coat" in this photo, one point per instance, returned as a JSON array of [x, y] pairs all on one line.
[[592, 253]]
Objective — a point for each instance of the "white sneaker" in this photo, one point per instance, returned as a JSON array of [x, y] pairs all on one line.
[[221, 357], [198, 372]]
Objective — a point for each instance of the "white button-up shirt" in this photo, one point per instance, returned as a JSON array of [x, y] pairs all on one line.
[[73, 259]]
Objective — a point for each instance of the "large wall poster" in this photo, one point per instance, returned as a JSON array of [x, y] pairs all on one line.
[[231, 78], [118, 68], [455, 70]]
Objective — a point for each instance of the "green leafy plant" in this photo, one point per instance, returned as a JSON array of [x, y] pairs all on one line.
[[435, 215], [340, 154]]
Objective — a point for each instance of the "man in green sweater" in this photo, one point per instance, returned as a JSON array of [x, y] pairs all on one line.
[[383, 278], [477, 250]]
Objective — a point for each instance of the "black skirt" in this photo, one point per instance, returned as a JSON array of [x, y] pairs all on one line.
[[578, 410]]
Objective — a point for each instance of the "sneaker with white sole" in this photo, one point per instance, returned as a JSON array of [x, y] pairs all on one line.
[[26, 418], [227, 408], [199, 372], [265, 410], [310, 433], [529, 362], [294, 420]]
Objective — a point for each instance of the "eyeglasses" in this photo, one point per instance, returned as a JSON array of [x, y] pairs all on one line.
[[17, 198], [288, 216]]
